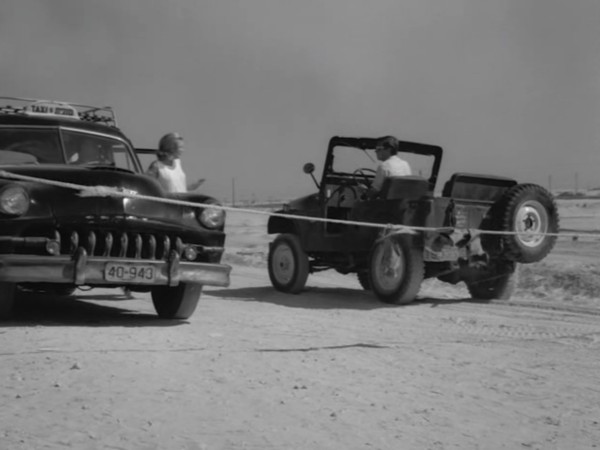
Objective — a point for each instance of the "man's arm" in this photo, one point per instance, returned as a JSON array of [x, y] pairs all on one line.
[[373, 191], [379, 177]]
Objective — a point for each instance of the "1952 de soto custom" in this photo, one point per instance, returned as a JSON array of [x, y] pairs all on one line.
[[54, 238]]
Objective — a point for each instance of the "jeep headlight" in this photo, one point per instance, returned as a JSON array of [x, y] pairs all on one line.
[[212, 217], [14, 200]]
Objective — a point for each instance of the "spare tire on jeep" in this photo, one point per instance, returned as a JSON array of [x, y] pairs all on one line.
[[529, 211]]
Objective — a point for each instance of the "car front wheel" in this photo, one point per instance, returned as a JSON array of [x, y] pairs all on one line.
[[288, 264], [176, 302]]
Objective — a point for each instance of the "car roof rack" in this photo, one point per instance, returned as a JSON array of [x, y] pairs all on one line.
[[58, 109]]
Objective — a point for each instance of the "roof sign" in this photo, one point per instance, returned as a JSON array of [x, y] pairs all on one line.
[[46, 109]]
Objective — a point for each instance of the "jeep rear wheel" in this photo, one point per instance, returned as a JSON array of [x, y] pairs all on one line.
[[176, 302], [530, 211], [288, 264], [496, 282], [396, 270], [8, 293]]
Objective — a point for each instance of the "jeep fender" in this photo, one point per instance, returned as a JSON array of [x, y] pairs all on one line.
[[277, 225]]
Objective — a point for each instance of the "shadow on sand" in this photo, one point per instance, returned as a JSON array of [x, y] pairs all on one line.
[[81, 310], [325, 298]]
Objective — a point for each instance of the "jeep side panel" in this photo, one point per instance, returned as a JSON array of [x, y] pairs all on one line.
[[476, 187]]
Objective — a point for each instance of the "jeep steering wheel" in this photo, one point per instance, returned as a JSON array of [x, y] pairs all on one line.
[[362, 173]]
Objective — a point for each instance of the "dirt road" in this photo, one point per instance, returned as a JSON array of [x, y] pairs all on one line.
[[329, 369]]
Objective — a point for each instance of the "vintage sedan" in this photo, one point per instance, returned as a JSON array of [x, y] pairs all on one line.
[[121, 230]]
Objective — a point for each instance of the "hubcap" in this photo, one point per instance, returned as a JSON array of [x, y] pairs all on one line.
[[389, 265], [283, 263], [531, 222]]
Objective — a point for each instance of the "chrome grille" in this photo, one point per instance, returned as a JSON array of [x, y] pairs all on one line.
[[118, 243]]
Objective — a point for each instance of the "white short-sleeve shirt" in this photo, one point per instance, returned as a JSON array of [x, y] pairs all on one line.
[[391, 167]]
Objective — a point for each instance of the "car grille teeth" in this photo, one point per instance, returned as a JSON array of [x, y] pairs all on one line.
[[124, 245], [178, 245], [151, 247], [119, 244], [166, 247], [91, 243], [138, 246], [108, 243], [74, 242]]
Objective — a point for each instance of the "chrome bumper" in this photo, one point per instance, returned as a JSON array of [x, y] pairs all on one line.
[[82, 269]]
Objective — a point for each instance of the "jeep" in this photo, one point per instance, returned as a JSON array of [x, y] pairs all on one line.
[[476, 231]]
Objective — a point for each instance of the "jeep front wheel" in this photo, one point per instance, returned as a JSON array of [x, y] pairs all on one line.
[[176, 302], [288, 264], [397, 270]]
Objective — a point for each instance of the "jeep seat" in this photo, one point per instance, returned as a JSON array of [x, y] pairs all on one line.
[[405, 187]]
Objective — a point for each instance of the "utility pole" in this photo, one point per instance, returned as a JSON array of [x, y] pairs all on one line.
[[233, 192], [576, 183]]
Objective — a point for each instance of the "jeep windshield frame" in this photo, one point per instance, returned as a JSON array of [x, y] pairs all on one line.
[[365, 144]]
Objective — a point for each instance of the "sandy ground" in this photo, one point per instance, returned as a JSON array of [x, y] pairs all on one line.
[[331, 368]]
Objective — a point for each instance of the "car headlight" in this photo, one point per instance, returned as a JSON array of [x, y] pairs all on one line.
[[14, 200], [212, 217]]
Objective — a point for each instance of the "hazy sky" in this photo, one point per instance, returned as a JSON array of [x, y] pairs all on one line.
[[257, 87]]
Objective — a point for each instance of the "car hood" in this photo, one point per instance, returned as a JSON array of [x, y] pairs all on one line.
[[70, 203]]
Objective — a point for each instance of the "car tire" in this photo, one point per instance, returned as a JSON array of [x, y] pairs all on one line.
[[497, 283], [8, 294], [525, 208], [176, 302], [396, 270], [364, 278], [288, 264]]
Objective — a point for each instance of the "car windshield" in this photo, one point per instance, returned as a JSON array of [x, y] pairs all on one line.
[[348, 159], [29, 145]]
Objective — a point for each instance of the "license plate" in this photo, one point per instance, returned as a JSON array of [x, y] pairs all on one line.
[[131, 273]]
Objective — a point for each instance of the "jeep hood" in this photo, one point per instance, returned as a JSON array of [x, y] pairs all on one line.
[[305, 203]]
